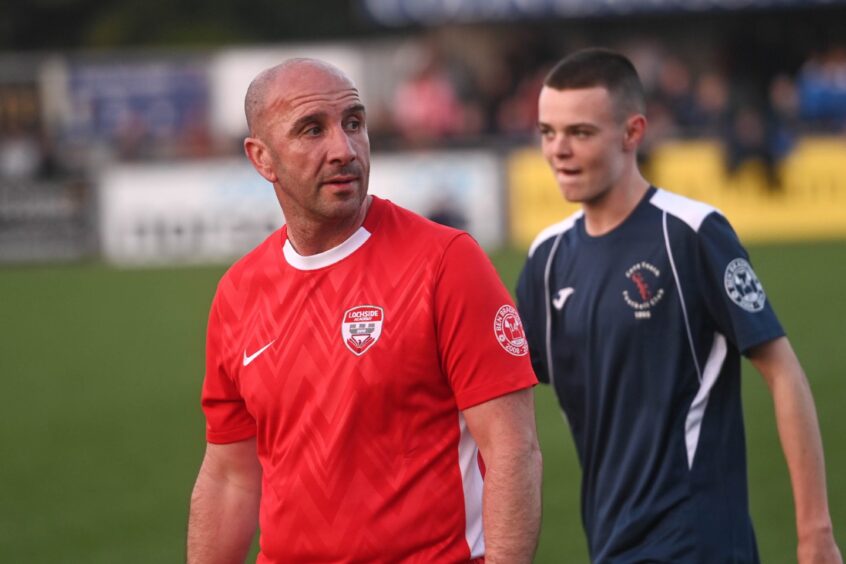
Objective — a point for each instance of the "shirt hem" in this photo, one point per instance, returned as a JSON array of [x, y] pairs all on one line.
[[486, 393], [225, 437]]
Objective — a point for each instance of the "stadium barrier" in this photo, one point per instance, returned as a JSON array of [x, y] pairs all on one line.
[[45, 221], [192, 212], [214, 211]]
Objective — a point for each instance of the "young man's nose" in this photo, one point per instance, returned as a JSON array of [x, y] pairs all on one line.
[[562, 146]]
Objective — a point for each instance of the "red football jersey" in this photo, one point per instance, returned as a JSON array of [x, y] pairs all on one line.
[[351, 368]]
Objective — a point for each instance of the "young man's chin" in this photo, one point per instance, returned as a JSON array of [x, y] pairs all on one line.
[[574, 195]]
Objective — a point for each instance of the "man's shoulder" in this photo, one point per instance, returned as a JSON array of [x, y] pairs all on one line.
[[400, 221], [265, 253], [548, 235], [691, 212]]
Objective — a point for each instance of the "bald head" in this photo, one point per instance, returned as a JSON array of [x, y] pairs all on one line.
[[280, 78]]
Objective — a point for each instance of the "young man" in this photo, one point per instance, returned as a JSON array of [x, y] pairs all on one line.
[[637, 309], [355, 381]]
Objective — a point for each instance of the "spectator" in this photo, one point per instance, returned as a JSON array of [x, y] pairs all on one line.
[[711, 106], [518, 114], [822, 89], [426, 106], [784, 124], [747, 141], [675, 91]]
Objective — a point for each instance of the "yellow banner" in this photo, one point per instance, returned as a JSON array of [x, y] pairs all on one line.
[[810, 202]]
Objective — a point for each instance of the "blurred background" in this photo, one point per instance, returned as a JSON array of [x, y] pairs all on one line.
[[124, 194]]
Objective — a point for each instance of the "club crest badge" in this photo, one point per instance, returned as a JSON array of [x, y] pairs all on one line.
[[644, 292], [509, 331], [362, 327], [743, 287]]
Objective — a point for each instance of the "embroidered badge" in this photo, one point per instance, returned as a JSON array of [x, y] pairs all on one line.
[[509, 331], [643, 293], [361, 328], [743, 287]]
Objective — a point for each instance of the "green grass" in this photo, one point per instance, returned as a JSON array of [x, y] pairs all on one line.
[[101, 428], [101, 432]]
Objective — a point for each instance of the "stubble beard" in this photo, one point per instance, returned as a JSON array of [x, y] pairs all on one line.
[[341, 208]]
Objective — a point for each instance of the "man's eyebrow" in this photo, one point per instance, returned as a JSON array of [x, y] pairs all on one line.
[[581, 124], [355, 109], [570, 126], [307, 119]]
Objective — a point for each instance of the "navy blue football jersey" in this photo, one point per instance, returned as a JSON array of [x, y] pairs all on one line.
[[640, 332]]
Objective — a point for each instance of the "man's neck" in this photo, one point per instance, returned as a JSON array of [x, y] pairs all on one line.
[[314, 237], [604, 215]]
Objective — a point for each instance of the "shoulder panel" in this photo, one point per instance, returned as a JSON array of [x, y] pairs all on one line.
[[553, 230], [692, 212]]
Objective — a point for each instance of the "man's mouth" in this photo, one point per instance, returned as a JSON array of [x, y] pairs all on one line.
[[343, 179], [568, 171]]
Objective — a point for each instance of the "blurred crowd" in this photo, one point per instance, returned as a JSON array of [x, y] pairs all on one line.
[[441, 101], [441, 94]]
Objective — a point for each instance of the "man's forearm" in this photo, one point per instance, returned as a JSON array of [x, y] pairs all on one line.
[[802, 445], [800, 439], [512, 507], [221, 524], [223, 517], [504, 429], [799, 434]]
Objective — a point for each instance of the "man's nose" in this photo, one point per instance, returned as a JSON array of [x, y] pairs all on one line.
[[561, 146], [341, 148]]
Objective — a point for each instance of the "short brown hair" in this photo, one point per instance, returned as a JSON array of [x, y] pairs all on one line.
[[597, 67]]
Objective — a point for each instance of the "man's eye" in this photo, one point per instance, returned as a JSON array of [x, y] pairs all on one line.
[[354, 125], [582, 133], [312, 130]]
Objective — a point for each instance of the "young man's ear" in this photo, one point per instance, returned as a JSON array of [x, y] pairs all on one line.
[[259, 155], [635, 131]]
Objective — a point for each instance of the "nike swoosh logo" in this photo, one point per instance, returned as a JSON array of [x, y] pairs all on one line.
[[252, 357], [563, 294]]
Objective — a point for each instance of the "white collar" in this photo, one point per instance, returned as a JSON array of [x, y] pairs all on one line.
[[326, 258]]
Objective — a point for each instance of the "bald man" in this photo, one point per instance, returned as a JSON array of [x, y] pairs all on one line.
[[364, 402]]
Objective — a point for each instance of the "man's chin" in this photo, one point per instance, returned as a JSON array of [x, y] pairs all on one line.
[[342, 203], [573, 194]]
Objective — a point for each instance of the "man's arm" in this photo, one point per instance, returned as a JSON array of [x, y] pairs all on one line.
[[798, 430], [504, 428], [224, 505]]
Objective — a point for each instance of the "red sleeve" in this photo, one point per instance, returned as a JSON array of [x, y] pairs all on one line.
[[227, 418], [483, 347]]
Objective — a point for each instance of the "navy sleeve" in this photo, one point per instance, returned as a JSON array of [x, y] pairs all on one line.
[[532, 308], [734, 296]]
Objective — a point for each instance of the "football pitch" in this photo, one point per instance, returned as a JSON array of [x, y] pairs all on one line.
[[102, 432]]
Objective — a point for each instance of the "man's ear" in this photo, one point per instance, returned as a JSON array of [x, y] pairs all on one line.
[[259, 155], [635, 132]]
